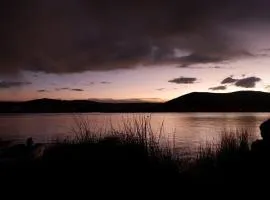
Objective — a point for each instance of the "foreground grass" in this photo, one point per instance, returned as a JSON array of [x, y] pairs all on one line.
[[226, 160], [136, 153]]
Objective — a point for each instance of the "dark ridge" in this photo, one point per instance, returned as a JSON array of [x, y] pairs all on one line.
[[73, 106], [242, 101]]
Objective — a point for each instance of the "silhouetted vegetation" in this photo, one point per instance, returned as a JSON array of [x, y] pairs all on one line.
[[131, 154], [224, 161]]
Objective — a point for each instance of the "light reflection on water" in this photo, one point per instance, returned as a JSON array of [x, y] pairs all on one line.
[[189, 129]]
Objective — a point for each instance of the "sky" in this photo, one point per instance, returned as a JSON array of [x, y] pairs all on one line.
[[130, 50]]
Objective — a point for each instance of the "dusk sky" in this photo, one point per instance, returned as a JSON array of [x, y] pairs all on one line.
[[132, 50]]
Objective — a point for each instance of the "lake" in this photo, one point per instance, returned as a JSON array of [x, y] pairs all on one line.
[[187, 129]]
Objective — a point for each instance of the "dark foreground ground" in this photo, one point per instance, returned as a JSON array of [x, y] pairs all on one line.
[[133, 160], [131, 165]]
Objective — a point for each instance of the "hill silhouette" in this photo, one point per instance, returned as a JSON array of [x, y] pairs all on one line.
[[71, 106], [242, 101]]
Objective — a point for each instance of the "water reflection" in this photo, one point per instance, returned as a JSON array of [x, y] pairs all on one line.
[[189, 129]]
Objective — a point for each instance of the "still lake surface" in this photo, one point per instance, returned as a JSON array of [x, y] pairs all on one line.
[[187, 129]]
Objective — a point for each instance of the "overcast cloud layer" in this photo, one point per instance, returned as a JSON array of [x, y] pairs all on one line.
[[63, 36]]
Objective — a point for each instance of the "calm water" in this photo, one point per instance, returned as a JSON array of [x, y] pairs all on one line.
[[189, 129]]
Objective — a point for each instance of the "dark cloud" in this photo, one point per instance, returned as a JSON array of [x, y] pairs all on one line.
[[216, 67], [12, 84], [249, 82], [200, 58], [77, 90], [221, 87], [90, 84], [63, 88], [64, 36], [160, 89], [69, 89], [41, 91], [183, 80], [229, 80], [105, 82]]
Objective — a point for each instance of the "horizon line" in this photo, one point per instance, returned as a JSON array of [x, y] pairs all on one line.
[[128, 100]]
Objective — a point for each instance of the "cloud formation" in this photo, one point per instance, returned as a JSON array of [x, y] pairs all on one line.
[[69, 89], [183, 80], [160, 89], [249, 82], [229, 80], [77, 90], [245, 82], [63, 88], [221, 87], [65, 36], [105, 82], [12, 84], [267, 87], [41, 91]]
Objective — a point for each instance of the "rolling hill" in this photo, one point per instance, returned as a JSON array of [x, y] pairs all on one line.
[[242, 101]]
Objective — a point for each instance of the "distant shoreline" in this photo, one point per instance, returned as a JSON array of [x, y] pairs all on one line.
[[126, 112], [242, 102]]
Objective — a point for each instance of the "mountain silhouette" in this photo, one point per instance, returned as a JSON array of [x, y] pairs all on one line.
[[71, 106], [242, 101]]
